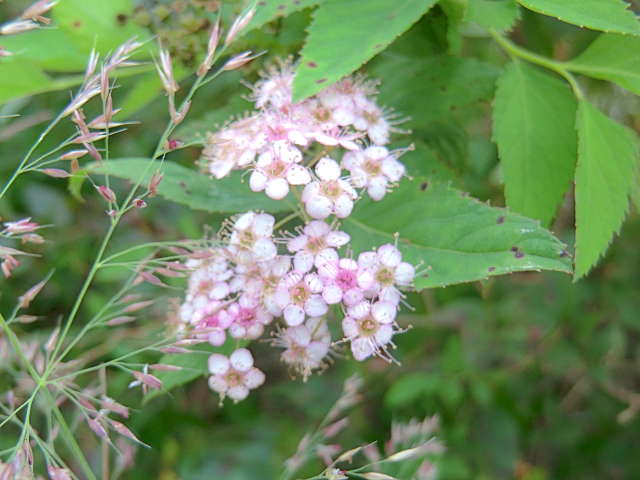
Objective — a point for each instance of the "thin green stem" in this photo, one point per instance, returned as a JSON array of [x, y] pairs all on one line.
[[516, 51]]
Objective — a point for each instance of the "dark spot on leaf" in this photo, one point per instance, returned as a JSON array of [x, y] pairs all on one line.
[[491, 269], [406, 241], [391, 17], [377, 46], [182, 184], [296, 2], [515, 248], [262, 4], [500, 219], [76, 24], [121, 19], [464, 194], [443, 88], [563, 254], [322, 80], [312, 65], [281, 7], [518, 254], [425, 275], [424, 186]]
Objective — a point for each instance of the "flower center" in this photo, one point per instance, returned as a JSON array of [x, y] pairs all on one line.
[[315, 245], [331, 189], [385, 276], [368, 327], [234, 379], [245, 316], [299, 294], [210, 321], [277, 168], [346, 279]]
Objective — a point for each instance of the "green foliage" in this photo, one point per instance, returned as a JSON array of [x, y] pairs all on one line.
[[346, 33], [453, 237], [533, 126], [604, 179], [611, 57], [268, 10], [605, 15], [499, 14], [193, 189]]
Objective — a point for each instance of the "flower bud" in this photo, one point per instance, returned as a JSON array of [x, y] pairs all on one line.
[[139, 203], [106, 193]]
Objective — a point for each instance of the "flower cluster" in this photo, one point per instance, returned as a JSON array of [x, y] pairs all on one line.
[[241, 281]]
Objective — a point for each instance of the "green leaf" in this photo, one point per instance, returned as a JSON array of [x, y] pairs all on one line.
[[432, 89], [268, 10], [605, 15], [611, 57], [604, 178], [20, 78], [501, 15], [533, 126], [107, 22], [194, 189], [344, 34], [422, 162], [458, 238]]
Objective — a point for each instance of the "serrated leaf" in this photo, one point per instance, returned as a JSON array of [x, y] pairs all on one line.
[[501, 15], [344, 34], [604, 179], [107, 22], [194, 189], [457, 238], [611, 57], [605, 15], [533, 126], [433, 88], [268, 10]]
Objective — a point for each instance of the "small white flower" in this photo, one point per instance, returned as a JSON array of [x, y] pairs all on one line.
[[330, 194]]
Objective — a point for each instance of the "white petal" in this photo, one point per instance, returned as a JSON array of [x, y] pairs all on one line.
[[313, 281], [217, 337], [218, 384], [299, 335], [254, 378], [343, 206], [298, 175], [392, 169], [325, 257], [293, 315], [277, 188], [349, 327], [404, 274], [303, 261], [241, 360], [352, 297], [264, 250], [328, 169], [384, 312], [389, 255], [317, 229], [337, 239], [316, 351], [332, 294], [218, 364], [361, 349], [315, 306], [319, 207], [297, 243], [377, 188], [310, 190], [384, 334], [237, 393], [245, 221], [263, 225], [376, 153]]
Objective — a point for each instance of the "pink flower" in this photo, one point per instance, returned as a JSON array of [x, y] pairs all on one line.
[[369, 328], [209, 316], [373, 168], [234, 147], [389, 273], [330, 194], [277, 168], [234, 376], [298, 294], [20, 226], [247, 318], [317, 240], [371, 119], [250, 239], [274, 89], [306, 346], [345, 281]]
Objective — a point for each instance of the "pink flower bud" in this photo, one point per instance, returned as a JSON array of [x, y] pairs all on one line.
[[73, 154], [122, 430], [238, 61], [149, 277], [112, 213], [148, 379], [154, 183], [32, 238], [18, 26], [165, 368], [175, 350], [56, 173], [111, 404], [139, 203], [175, 116], [25, 300], [238, 25], [93, 152], [91, 64], [38, 8], [97, 428], [120, 320], [137, 306], [107, 193], [168, 273], [89, 138]]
